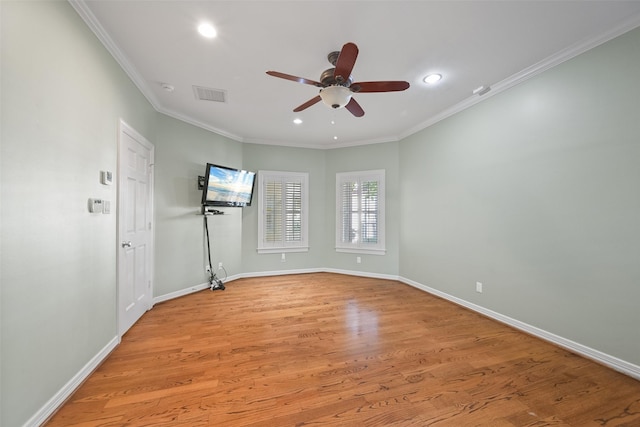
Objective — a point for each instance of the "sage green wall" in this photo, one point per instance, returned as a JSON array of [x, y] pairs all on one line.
[[322, 166], [267, 157], [534, 192], [375, 156], [182, 151], [62, 96]]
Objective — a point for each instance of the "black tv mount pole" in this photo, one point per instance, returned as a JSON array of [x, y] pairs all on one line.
[[214, 282]]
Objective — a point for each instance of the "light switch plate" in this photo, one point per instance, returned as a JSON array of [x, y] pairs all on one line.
[[106, 177]]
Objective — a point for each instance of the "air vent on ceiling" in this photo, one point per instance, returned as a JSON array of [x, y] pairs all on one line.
[[209, 94]]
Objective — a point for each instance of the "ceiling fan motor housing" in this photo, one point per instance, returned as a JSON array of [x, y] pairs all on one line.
[[327, 78]]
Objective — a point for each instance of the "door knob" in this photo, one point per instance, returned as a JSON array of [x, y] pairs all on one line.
[[126, 244]]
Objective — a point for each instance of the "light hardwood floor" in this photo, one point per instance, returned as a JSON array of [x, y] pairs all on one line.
[[335, 350]]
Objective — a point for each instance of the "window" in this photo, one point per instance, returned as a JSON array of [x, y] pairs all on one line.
[[360, 212], [283, 212]]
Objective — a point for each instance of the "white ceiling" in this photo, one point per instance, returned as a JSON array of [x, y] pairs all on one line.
[[471, 43]]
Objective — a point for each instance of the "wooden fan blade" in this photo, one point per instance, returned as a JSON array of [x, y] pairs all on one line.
[[354, 108], [390, 86], [294, 78], [345, 62], [307, 104]]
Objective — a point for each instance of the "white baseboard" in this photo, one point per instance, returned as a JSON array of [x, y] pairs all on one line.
[[67, 390], [282, 272], [232, 278], [180, 293], [196, 288], [202, 286], [190, 290], [362, 274], [605, 359], [320, 270]]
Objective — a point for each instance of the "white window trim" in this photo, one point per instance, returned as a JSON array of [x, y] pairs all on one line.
[[361, 248], [280, 247], [355, 250]]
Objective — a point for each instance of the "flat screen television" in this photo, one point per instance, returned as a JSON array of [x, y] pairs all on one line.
[[224, 186]]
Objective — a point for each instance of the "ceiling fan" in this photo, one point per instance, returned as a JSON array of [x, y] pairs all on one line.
[[337, 86]]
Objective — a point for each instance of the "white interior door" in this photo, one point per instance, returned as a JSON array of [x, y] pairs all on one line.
[[135, 235]]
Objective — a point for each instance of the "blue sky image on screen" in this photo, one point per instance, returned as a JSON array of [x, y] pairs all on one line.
[[229, 186]]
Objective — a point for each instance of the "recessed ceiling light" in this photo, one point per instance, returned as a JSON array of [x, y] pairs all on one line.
[[297, 121], [432, 78], [207, 30], [335, 137]]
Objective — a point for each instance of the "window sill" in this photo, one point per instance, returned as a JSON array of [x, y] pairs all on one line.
[[282, 250], [362, 251]]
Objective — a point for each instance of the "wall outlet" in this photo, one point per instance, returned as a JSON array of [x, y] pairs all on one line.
[[358, 259], [283, 258], [219, 266], [478, 287]]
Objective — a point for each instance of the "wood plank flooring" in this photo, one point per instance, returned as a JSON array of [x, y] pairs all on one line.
[[335, 350]]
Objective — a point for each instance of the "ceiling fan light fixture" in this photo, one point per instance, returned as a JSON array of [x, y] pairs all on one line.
[[335, 96]]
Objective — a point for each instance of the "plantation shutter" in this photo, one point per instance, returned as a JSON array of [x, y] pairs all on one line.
[[273, 211], [293, 211], [283, 212], [349, 212], [369, 211], [360, 212]]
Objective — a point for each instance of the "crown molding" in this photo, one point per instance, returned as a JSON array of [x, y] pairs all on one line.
[[551, 61], [199, 124], [92, 22], [320, 146]]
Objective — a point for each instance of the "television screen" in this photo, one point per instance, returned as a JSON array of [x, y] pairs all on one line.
[[225, 186]]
